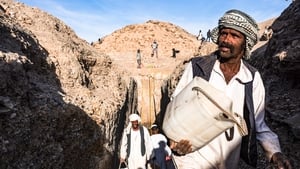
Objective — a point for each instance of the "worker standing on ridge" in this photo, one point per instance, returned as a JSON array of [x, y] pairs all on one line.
[[154, 46]]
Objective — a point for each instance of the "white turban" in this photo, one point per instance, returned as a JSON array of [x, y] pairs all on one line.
[[241, 22], [134, 117]]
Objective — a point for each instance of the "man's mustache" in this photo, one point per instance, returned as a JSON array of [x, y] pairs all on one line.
[[226, 45]]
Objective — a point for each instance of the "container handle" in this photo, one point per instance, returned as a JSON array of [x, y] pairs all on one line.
[[236, 118]]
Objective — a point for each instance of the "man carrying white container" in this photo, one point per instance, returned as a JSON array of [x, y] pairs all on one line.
[[226, 71]]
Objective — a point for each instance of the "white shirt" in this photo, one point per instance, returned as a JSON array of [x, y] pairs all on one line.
[[156, 139], [220, 153]]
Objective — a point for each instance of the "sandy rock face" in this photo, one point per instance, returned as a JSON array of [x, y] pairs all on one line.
[[56, 93], [279, 65]]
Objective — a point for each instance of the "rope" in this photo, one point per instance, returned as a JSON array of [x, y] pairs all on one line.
[[242, 127], [173, 160]]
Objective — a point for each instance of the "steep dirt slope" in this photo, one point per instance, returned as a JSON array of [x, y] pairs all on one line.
[[60, 100]]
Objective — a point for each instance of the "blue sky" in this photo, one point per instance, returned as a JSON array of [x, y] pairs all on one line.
[[93, 19]]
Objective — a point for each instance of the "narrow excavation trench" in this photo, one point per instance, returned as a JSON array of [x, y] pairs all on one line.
[[147, 96]]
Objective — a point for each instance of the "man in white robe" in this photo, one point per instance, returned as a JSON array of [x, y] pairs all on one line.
[[136, 145]]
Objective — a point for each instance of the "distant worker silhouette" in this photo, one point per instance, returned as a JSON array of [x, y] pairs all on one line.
[[139, 58], [208, 35], [154, 46], [174, 52], [200, 38]]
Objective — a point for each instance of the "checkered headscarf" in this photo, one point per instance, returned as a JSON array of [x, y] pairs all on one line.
[[241, 22]]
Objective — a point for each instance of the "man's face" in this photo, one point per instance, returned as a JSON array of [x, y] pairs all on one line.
[[154, 130], [231, 43], [135, 124]]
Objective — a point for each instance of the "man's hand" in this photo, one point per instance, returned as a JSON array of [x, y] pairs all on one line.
[[168, 158], [182, 147], [280, 161]]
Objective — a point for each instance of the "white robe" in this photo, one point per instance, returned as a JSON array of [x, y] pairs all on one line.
[[135, 159]]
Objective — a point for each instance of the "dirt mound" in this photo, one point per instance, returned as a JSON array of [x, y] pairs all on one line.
[[122, 47], [126, 41]]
